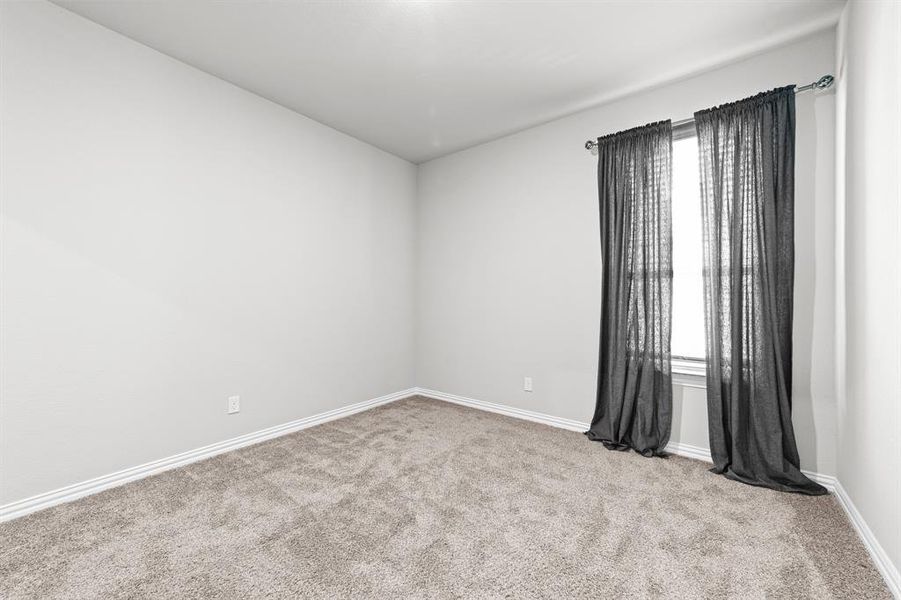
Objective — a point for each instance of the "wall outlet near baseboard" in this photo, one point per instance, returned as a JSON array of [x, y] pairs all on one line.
[[527, 384], [234, 404]]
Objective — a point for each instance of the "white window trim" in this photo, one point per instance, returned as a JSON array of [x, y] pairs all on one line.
[[689, 373]]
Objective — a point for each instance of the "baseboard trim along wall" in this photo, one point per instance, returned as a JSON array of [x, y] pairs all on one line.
[[27, 506], [699, 453], [677, 448], [21, 508], [503, 409], [889, 571]]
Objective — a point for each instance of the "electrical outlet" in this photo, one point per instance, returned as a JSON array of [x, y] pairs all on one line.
[[234, 404], [527, 384]]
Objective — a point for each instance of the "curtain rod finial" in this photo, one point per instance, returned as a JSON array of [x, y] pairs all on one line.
[[824, 82]]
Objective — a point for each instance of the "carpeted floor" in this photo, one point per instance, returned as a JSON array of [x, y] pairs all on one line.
[[424, 499]]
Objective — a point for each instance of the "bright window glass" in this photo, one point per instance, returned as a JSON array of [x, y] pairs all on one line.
[[688, 245]]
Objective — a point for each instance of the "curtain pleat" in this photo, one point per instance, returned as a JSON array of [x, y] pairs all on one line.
[[634, 394], [746, 153]]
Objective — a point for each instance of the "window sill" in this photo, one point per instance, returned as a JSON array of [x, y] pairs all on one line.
[[689, 373]]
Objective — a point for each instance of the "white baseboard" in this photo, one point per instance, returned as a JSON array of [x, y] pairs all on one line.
[[21, 508], [880, 558], [677, 448], [703, 454], [827, 481], [503, 409], [689, 451]]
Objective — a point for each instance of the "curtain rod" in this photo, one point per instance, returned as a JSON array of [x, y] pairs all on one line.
[[820, 84]]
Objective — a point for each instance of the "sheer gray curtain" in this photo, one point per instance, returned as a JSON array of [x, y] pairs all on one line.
[[747, 196], [634, 395]]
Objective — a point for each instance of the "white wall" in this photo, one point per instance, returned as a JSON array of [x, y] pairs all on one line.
[[169, 240], [869, 267], [509, 258]]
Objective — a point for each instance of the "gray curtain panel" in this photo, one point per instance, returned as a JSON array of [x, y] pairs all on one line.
[[634, 394], [747, 195]]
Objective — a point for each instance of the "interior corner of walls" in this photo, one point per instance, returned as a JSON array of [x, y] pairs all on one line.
[[482, 199], [13, 509], [888, 569], [209, 313]]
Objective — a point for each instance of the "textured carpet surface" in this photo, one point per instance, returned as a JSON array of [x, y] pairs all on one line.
[[424, 499]]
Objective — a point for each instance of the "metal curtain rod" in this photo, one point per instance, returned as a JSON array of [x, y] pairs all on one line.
[[820, 84]]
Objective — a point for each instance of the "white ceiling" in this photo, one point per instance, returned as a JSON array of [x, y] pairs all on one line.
[[425, 79]]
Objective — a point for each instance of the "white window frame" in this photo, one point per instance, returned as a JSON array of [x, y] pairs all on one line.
[[688, 372]]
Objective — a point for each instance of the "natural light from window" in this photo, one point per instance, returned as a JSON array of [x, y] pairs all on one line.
[[688, 244]]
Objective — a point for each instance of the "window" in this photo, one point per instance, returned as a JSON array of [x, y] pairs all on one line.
[[688, 244]]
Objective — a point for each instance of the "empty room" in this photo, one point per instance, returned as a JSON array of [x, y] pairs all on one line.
[[450, 299]]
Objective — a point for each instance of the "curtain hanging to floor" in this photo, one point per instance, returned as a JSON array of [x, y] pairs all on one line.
[[747, 196], [634, 393]]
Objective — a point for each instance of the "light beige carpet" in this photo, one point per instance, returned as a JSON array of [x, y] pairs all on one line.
[[423, 499]]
